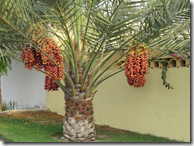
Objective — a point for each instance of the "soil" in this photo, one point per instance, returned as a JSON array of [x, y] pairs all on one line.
[[38, 116], [59, 137]]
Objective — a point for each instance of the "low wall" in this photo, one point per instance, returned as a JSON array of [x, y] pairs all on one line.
[[26, 87], [152, 109]]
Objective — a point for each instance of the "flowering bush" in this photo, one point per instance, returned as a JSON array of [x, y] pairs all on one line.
[[136, 66], [164, 70], [177, 56]]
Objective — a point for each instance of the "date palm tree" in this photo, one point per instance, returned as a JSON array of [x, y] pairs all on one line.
[[90, 33]]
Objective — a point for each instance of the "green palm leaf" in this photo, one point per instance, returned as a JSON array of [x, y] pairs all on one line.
[[93, 30]]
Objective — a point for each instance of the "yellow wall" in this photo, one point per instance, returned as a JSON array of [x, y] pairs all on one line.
[[152, 109], [55, 101]]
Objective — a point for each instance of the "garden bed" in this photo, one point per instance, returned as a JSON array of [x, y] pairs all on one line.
[[46, 126]]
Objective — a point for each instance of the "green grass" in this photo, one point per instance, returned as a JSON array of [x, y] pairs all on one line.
[[25, 130], [127, 136], [16, 130]]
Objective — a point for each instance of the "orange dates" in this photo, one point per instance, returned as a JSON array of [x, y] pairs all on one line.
[[136, 66], [33, 57]]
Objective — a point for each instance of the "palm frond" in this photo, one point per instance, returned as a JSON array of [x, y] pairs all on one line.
[[169, 20], [92, 30]]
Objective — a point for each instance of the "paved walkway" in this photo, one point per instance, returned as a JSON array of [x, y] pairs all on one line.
[[3, 139]]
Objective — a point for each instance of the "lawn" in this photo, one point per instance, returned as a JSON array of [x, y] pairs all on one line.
[[47, 127]]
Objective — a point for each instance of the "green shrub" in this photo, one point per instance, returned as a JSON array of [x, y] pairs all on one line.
[[5, 106]]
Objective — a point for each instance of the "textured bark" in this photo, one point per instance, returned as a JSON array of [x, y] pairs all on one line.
[[79, 122], [0, 96]]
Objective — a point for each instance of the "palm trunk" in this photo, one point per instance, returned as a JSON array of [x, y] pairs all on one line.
[[0, 96], [79, 122]]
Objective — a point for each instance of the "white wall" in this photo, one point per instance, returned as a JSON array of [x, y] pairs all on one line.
[[24, 86]]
